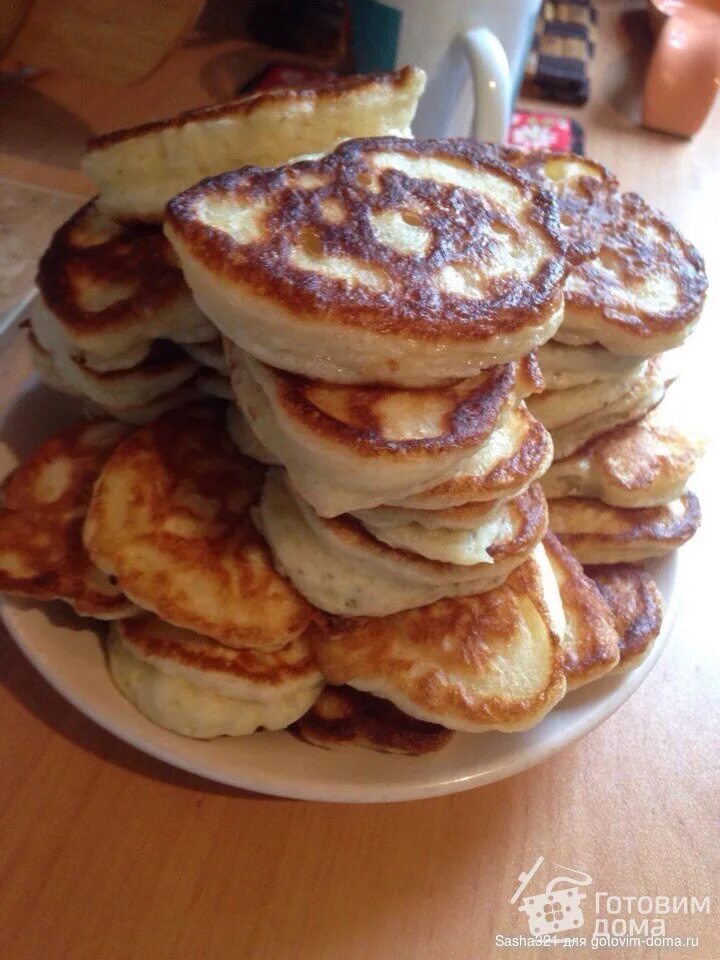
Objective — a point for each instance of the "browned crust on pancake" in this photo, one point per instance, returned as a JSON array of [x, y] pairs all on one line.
[[415, 306], [634, 256], [139, 255], [342, 715], [636, 604], [591, 644], [640, 524], [253, 102], [205, 654]]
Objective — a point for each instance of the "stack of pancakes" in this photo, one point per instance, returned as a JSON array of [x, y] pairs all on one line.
[[358, 542], [617, 487]]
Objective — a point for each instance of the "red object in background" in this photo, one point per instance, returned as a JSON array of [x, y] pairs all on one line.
[[531, 130], [288, 75]]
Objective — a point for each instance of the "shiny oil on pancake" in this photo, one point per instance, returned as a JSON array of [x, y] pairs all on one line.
[[138, 170], [590, 643], [342, 716], [350, 268], [644, 291], [598, 533], [200, 688], [349, 448], [587, 193], [169, 518], [44, 502], [564, 366], [106, 292], [577, 415], [340, 567], [492, 661], [643, 464], [637, 607]]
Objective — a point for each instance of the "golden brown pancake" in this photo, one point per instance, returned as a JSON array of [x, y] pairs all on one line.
[[644, 291], [44, 504], [492, 661], [587, 193], [637, 607], [342, 716], [598, 533], [591, 643], [643, 464], [106, 292], [349, 268], [169, 518]]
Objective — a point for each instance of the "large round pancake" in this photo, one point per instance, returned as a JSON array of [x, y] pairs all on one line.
[[564, 366], [199, 688], [614, 408], [598, 533], [644, 291], [169, 518], [350, 268], [138, 170], [637, 606], [486, 662], [587, 193], [590, 643], [642, 464], [44, 504], [348, 448], [106, 292], [342, 716], [341, 568]]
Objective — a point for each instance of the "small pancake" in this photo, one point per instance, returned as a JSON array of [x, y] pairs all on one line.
[[348, 268], [106, 292], [245, 440], [563, 366], [587, 193], [598, 533], [44, 504], [143, 413], [342, 716], [214, 385], [350, 448], [138, 170], [487, 662], [637, 606], [342, 569], [643, 464], [210, 354], [169, 518], [197, 687], [644, 291], [466, 516], [590, 643], [616, 403]]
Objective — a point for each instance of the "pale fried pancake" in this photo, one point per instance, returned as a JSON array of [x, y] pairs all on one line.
[[169, 518], [466, 516], [44, 504], [614, 407], [587, 193], [200, 688], [644, 291], [563, 366], [643, 464], [245, 440], [590, 644], [487, 662], [145, 412], [138, 170], [341, 568], [598, 533], [214, 385], [106, 292], [210, 354], [342, 716], [637, 607], [349, 448], [349, 268]]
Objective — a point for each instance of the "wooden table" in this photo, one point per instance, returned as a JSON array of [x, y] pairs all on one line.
[[108, 854]]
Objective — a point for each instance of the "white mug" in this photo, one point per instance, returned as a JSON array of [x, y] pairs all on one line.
[[461, 44]]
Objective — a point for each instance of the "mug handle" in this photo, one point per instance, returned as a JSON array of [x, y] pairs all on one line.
[[491, 83]]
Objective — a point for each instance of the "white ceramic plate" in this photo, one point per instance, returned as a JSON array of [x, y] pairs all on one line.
[[68, 653]]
